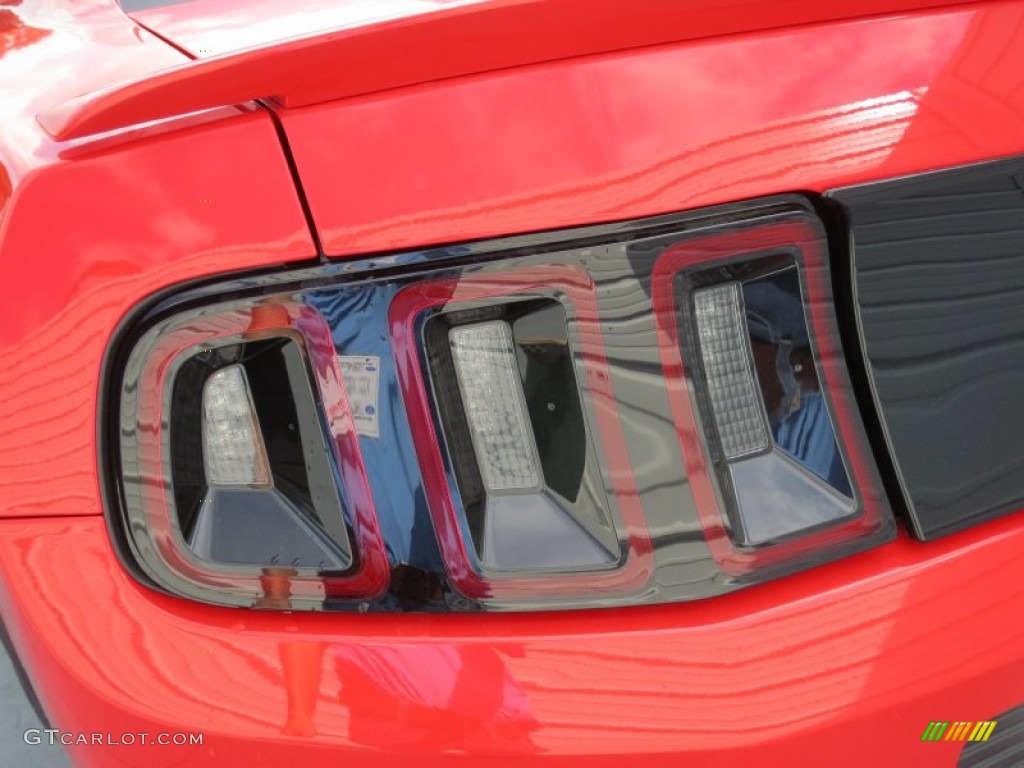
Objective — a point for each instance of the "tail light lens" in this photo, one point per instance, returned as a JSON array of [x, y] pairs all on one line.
[[522, 507], [239, 461], [784, 470], [623, 414]]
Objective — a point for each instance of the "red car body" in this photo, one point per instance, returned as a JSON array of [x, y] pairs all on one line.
[[577, 113]]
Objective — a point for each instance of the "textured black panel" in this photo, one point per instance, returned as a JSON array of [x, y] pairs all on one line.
[[938, 269], [1005, 747]]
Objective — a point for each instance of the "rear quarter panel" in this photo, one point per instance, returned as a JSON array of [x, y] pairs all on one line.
[[841, 665]]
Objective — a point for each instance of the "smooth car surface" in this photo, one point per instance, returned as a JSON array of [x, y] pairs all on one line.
[[146, 151]]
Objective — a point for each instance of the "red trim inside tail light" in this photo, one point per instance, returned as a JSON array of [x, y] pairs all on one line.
[[630, 413], [308, 328], [573, 285], [807, 244]]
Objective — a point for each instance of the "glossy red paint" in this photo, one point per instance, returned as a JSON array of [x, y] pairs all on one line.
[[778, 675], [843, 664], [623, 135], [459, 39], [575, 287], [86, 234], [533, 30], [106, 46]]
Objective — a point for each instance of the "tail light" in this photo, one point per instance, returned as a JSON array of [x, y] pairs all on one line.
[[783, 471], [542, 509], [239, 459], [621, 414]]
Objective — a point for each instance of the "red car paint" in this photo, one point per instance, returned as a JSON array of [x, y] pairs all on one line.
[[465, 38], [840, 665], [85, 235], [624, 135]]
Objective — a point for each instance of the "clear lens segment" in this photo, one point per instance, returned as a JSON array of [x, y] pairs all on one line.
[[729, 371], [233, 450], [492, 394]]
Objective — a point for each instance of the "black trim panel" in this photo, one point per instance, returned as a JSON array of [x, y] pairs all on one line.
[[1004, 749], [938, 279]]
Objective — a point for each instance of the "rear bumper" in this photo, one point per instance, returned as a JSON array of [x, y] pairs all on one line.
[[845, 664]]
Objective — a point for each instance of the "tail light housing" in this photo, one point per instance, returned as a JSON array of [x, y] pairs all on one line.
[[303, 515], [783, 467], [622, 414], [562, 531]]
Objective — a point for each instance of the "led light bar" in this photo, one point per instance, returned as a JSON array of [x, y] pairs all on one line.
[[233, 450], [492, 394], [729, 371]]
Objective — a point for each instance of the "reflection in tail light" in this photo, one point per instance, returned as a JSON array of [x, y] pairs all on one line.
[[630, 413], [748, 325], [238, 456], [514, 540]]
